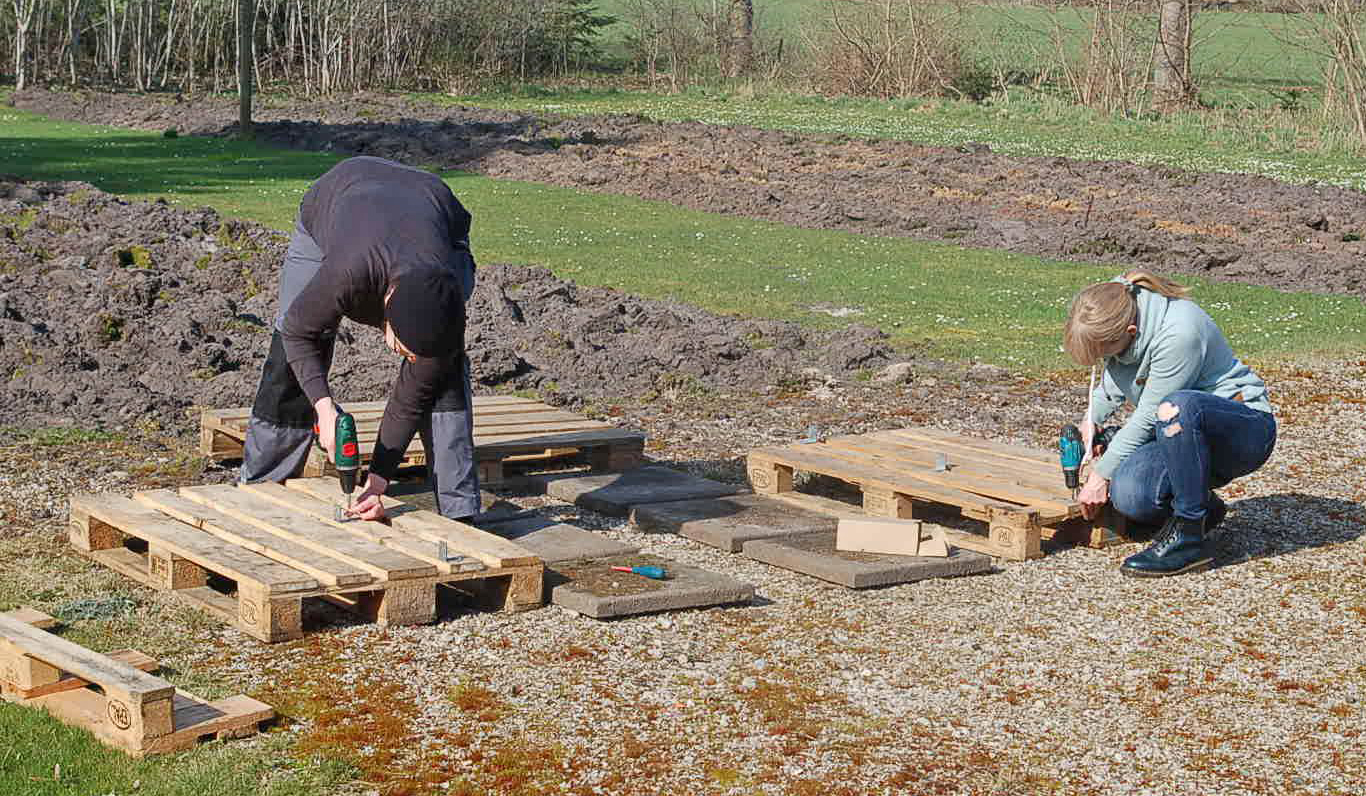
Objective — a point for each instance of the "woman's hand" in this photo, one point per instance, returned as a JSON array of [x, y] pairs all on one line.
[[370, 504], [1094, 495]]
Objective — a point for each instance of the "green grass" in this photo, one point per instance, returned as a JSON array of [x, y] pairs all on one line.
[[939, 299], [1236, 53], [1023, 124], [40, 756]]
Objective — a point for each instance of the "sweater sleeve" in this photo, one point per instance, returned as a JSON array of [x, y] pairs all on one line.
[[1175, 365], [315, 313]]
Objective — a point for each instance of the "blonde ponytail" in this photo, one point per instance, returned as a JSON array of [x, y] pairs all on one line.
[[1157, 284], [1101, 314]]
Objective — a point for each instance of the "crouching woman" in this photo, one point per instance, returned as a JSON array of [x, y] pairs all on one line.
[[1201, 417]]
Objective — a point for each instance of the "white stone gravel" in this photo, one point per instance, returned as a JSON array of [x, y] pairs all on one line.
[[1051, 676]]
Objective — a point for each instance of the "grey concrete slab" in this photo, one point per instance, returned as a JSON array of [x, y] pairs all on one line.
[[615, 493], [593, 589], [728, 522], [815, 554], [557, 541]]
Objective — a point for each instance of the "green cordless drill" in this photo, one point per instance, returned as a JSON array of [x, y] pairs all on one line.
[[346, 451]]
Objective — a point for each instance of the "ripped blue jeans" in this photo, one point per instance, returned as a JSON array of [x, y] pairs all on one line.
[[1205, 443]]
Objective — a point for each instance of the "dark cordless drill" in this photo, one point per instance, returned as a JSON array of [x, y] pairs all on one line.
[[346, 451]]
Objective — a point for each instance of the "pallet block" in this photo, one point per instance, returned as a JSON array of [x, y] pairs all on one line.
[[113, 695], [1017, 492], [252, 554], [507, 430]]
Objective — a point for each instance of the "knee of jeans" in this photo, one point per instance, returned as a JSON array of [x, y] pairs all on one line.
[[1126, 498], [1170, 410]]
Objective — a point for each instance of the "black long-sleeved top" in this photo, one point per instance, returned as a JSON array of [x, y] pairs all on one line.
[[374, 221]]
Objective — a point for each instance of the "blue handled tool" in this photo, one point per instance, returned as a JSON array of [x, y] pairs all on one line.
[[1070, 451], [657, 573]]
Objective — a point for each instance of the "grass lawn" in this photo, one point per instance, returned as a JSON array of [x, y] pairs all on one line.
[[940, 299]]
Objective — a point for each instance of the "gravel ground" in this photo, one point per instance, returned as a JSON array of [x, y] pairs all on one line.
[[1052, 676]]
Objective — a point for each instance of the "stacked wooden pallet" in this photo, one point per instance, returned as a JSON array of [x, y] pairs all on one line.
[[252, 554], [1017, 492], [507, 429], [112, 695]]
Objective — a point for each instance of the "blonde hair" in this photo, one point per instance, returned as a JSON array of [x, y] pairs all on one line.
[[1101, 313]]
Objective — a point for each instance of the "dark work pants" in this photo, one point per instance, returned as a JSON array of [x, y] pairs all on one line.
[[280, 431]]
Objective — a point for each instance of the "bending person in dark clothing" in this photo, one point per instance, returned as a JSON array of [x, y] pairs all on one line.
[[387, 246]]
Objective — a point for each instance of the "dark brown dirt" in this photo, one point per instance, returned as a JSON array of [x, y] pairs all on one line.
[[113, 311], [1235, 227]]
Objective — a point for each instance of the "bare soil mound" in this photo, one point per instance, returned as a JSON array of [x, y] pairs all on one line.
[[112, 311], [1237, 227]]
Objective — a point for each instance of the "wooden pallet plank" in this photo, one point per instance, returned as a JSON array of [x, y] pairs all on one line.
[[228, 419], [962, 476], [31, 616], [325, 569], [1047, 477], [832, 464], [162, 531], [493, 446], [70, 682], [935, 436], [195, 719], [323, 511], [494, 551], [383, 562], [116, 678]]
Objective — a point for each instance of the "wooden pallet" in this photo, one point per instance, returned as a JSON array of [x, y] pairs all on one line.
[[507, 429], [112, 695], [1017, 492], [252, 554]]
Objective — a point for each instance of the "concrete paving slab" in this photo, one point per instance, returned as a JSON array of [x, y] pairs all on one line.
[[616, 493], [593, 589], [557, 541], [728, 522], [815, 554]]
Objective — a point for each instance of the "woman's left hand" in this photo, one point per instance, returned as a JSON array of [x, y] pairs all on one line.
[[370, 504], [1094, 495]]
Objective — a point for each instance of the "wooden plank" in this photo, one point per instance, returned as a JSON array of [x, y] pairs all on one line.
[[494, 551], [947, 438], [31, 616], [869, 475], [1045, 477], [70, 682], [195, 718], [323, 511], [209, 552], [495, 446], [961, 476], [323, 568], [234, 419], [115, 677], [382, 562]]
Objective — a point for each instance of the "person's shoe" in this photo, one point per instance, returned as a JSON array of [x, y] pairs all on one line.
[[1180, 548]]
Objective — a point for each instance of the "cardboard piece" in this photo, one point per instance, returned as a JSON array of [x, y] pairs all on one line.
[[890, 537]]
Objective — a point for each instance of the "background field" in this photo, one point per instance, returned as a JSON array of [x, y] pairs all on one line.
[[937, 299]]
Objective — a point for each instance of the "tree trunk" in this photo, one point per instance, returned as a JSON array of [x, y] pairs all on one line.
[[1171, 63], [742, 37], [246, 55]]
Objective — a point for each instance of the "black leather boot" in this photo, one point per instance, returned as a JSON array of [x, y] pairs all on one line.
[[1180, 548]]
